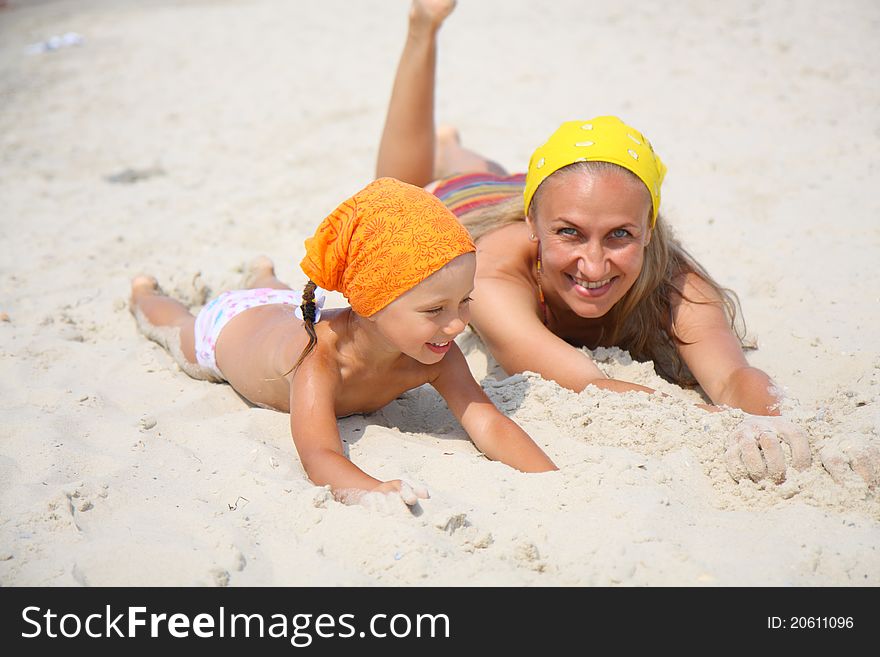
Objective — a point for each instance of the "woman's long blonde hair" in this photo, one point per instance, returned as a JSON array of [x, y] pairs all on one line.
[[641, 321]]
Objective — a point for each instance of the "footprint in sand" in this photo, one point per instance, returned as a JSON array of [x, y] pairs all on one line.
[[526, 554], [77, 502], [231, 560], [456, 524]]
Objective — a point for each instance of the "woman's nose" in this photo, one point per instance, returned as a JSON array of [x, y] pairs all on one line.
[[592, 262]]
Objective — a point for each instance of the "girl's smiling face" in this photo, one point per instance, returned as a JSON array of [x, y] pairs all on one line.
[[423, 321], [593, 230]]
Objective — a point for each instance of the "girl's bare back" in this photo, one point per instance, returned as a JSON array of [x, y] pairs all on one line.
[[258, 347]]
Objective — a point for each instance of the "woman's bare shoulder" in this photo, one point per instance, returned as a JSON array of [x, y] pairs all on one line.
[[508, 254], [692, 288]]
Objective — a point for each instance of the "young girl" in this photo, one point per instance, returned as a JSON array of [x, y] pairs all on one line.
[[406, 266]]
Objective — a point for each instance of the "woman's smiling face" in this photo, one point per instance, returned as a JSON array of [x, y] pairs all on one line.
[[593, 230]]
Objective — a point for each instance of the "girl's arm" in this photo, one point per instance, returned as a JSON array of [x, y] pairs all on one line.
[[316, 435], [494, 434]]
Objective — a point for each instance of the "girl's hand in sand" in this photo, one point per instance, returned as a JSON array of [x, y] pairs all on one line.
[[385, 496], [755, 448], [409, 493], [844, 456]]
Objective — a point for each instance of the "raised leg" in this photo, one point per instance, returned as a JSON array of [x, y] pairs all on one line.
[[406, 151], [411, 150]]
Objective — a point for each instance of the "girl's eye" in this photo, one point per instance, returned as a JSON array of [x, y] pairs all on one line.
[[619, 233], [467, 300], [433, 311]]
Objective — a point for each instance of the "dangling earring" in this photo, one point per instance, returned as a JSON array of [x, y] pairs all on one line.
[[539, 271]]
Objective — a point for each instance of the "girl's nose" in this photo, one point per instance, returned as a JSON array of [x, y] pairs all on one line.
[[455, 326]]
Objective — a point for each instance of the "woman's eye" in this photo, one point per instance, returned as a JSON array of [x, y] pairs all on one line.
[[433, 311], [619, 232], [570, 232], [467, 300]]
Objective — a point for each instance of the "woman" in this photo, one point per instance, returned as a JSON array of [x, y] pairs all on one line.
[[576, 254]]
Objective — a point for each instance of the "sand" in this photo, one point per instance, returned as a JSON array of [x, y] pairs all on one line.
[[183, 139]]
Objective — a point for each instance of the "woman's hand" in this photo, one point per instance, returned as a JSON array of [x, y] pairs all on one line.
[[842, 456], [755, 448]]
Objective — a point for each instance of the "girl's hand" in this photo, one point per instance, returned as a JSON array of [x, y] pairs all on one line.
[[383, 496], [409, 493], [386, 498], [755, 448]]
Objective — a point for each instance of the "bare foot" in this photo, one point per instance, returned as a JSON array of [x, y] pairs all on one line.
[[257, 272], [450, 157], [141, 285], [447, 135], [447, 145], [429, 14]]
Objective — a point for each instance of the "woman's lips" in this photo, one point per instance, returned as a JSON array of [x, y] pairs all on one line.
[[591, 289], [439, 347]]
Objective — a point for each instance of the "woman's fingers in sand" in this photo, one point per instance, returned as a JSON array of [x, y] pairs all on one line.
[[845, 456], [755, 450], [743, 458]]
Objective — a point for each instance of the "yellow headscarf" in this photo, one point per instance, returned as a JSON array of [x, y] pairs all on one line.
[[602, 139], [381, 242]]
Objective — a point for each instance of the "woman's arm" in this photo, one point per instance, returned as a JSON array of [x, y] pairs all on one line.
[[714, 355], [494, 434], [503, 314]]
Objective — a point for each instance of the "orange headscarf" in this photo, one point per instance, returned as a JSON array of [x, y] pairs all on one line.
[[381, 242]]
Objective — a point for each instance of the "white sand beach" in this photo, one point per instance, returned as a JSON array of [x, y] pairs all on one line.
[[184, 138]]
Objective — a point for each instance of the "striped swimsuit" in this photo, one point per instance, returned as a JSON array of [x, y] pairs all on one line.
[[466, 192], [471, 191]]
